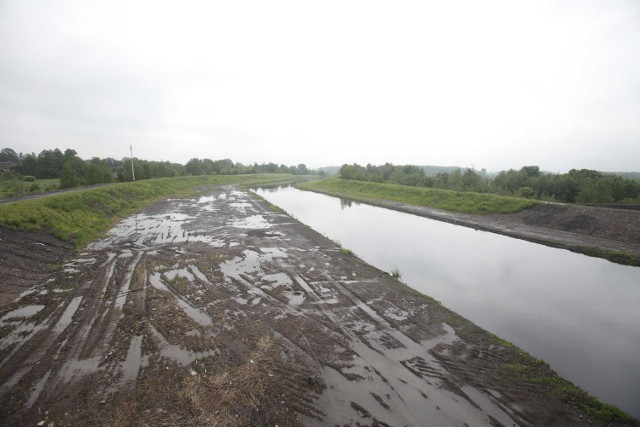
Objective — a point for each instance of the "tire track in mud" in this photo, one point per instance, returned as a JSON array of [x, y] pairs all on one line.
[[186, 291]]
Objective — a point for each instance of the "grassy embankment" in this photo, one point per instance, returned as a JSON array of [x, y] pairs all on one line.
[[83, 215], [465, 202]]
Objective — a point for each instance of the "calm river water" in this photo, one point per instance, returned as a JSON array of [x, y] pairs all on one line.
[[580, 314]]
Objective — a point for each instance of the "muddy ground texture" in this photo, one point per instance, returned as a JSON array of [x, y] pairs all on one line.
[[218, 310]]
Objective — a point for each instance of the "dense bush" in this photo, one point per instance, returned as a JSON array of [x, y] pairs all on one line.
[[581, 186]]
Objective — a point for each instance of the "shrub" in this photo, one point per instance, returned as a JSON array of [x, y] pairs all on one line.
[[29, 178], [526, 192]]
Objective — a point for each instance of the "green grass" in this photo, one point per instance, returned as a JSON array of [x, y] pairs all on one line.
[[84, 215], [19, 187], [465, 202]]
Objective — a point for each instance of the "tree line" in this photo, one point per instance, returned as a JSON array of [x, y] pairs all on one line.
[[576, 186], [72, 171]]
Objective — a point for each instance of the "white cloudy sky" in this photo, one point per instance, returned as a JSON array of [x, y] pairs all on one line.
[[495, 84]]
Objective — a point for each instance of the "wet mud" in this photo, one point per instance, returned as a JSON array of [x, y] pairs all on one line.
[[217, 310]]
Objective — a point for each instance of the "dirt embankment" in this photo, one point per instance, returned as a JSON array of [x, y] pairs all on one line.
[[620, 225], [218, 311]]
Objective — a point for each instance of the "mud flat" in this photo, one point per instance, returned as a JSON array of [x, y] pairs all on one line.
[[219, 310]]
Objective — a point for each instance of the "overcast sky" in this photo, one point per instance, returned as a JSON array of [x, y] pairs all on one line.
[[495, 84]]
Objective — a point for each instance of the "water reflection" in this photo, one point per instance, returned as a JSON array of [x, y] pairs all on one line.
[[345, 203], [579, 314]]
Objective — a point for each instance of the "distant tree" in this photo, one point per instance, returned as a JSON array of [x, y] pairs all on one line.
[[224, 167], [98, 172], [70, 154], [8, 155], [530, 171], [69, 177], [441, 180], [28, 165], [471, 181], [455, 180], [194, 167], [595, 191], [353, 172], [50, 163]]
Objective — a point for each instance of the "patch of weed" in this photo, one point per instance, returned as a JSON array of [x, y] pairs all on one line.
[[396, 273], [468, 202]]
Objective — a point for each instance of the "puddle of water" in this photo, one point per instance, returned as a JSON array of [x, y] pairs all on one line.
[[183, 272], [304, 286], [65, 319], [240, 300], [206, 199], [26, 311], [144, 230], [78, 368], [199, 274], [195, 314], [123, 294], [37, 389], [178, 354], [132, 364], [294, 298], [276, 280], [242, 206], [255, 222]]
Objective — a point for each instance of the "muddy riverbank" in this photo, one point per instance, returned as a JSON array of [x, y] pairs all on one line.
[[218, 310]]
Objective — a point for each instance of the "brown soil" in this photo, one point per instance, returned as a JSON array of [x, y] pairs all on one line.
[[27, 259], [218, 311]]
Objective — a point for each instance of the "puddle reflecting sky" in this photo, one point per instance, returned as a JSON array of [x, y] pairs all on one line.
[[579, 314]]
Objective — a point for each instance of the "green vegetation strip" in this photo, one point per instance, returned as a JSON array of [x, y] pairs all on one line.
[[465, 202], [84, 215]]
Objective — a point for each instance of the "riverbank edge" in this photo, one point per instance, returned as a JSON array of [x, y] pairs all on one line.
[[516, 365], [477, 222]]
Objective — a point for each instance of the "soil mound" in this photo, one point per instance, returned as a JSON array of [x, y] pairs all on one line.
[[614, 224]]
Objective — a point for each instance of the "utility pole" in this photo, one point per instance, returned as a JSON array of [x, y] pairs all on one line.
[[133, 172]]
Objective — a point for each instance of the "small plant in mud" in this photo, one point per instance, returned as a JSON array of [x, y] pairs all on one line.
[[342, 249], [395, 273]]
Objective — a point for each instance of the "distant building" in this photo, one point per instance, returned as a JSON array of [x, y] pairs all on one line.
[[6, 166]]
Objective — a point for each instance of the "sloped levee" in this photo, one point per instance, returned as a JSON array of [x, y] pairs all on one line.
[[218, 311]]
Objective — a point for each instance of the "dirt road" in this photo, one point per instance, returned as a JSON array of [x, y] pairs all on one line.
[[219, 311]]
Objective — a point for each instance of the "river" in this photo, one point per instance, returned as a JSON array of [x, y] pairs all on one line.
[[580, 314]]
